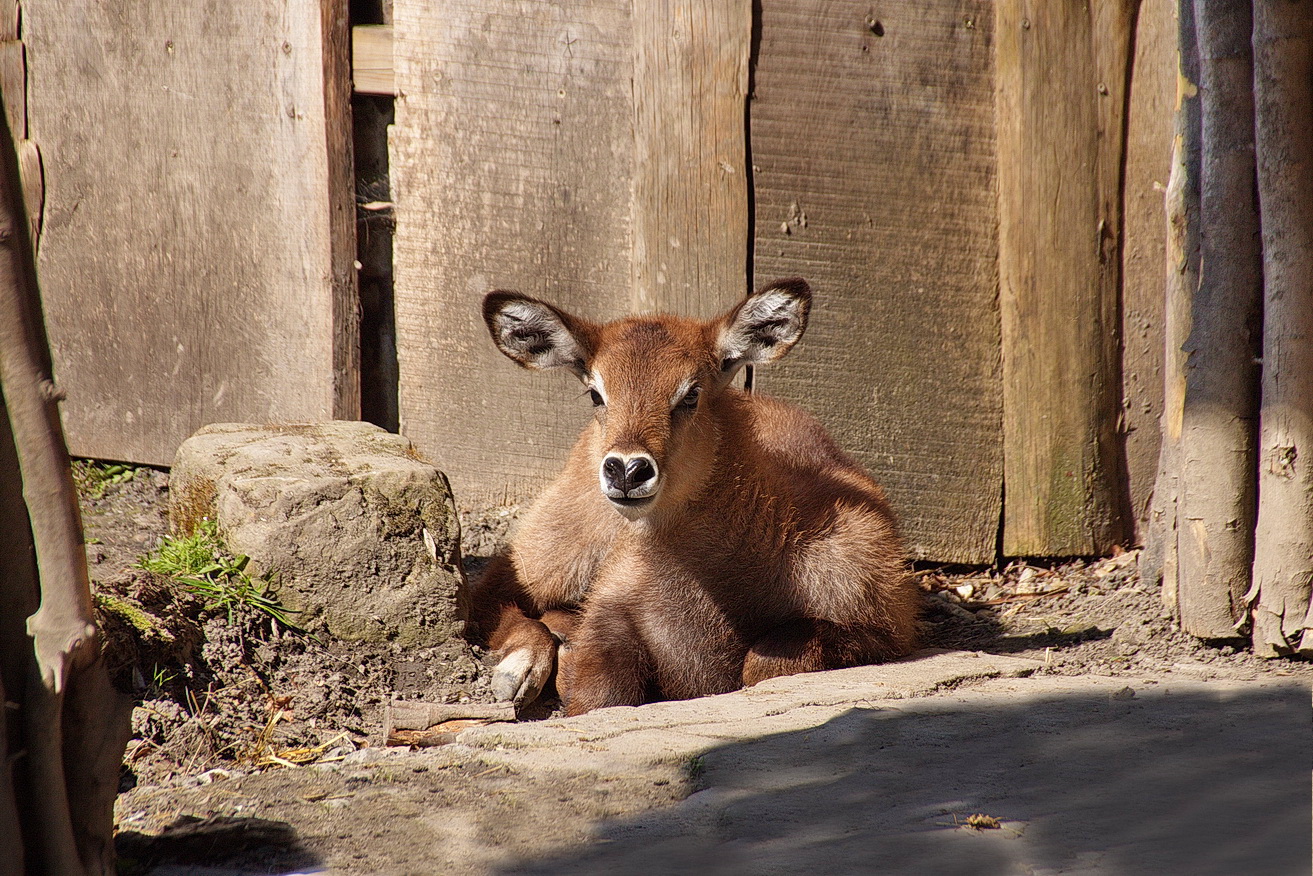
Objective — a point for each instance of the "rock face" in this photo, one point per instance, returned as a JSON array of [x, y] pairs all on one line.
[[362, 533]]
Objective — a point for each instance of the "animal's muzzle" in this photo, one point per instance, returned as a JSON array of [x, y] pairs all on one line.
[[629, 477]]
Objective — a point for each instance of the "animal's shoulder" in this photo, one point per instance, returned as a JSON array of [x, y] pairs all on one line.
[[794, 459], [786, 432]]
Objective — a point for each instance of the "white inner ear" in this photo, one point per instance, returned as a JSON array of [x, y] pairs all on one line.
[[771, 305], [521, 320], [767, 325]]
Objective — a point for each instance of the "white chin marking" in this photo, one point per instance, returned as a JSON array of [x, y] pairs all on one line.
[[633, 512]]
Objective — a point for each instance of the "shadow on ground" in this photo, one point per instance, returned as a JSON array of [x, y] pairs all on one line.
[[238, 844], [1191, 781]]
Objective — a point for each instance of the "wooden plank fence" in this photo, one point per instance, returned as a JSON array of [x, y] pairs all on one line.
[[615, 157]]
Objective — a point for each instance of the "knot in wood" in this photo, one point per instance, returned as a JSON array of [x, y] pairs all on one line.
[[51, 392]]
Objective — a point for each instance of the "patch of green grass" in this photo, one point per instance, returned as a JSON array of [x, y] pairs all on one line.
[[161, 678], [92, 478], [203, 565], [185, 557]]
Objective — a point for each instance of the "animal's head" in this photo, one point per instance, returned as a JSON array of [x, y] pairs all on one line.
[[655, 382]]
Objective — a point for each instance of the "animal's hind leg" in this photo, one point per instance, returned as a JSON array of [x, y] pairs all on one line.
[[810, 645], [604, 664]]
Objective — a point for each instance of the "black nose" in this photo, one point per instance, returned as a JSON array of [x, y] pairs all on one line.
[[624, 476], [614, 470], [639, 471]]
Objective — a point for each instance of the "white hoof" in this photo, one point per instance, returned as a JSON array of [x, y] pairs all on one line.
[[518, 678]]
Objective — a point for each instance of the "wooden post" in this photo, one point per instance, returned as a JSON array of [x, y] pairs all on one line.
[[1063, 71], [72, 726], [1283, 542], [1161, 554], [1219, 419]]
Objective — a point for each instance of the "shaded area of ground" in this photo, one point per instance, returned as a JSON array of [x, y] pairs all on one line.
[[1200, 782]]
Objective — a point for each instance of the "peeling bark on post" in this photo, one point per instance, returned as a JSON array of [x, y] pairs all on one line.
[[1283, 541], [1219, 428], [1182, 279]]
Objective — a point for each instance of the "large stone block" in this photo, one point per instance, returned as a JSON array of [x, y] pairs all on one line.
[[362, 533]]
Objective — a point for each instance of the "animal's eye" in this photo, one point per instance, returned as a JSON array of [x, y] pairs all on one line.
[[690, 399], [596, 396]]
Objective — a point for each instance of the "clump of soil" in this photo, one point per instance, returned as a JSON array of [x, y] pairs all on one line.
[[1079, 617], [238, 690]]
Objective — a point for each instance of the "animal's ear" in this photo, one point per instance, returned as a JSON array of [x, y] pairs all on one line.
[[764, 326], [537, 335]]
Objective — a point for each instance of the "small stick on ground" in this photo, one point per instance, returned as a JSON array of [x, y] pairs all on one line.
[[419, 715]]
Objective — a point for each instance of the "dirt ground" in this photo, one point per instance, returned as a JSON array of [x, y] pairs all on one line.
[[224, 698]]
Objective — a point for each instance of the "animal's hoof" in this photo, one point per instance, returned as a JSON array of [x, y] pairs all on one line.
[[519, 677]]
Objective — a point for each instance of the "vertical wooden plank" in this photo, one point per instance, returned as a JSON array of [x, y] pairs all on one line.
[[511, 164], [196, 252], [1148, 166], [690, 185], [1062, 79], [340, 204], [8, 19], [873, 145]]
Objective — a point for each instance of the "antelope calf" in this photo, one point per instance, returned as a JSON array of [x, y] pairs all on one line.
[[700, 538]]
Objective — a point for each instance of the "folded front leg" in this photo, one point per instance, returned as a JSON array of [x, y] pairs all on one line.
[[526, 646], [603, 664]]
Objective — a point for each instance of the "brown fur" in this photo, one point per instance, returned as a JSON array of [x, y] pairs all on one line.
[[766, 552]]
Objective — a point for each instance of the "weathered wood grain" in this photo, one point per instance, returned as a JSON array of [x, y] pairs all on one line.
[[199, 235], [13, 86], [34, 189], [339, 203], [512, 163], [420, 715], [1165, 526], [9, 20], [690, 184], [1148, 166], [13, 82], [872, 137], [1063, 71]]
